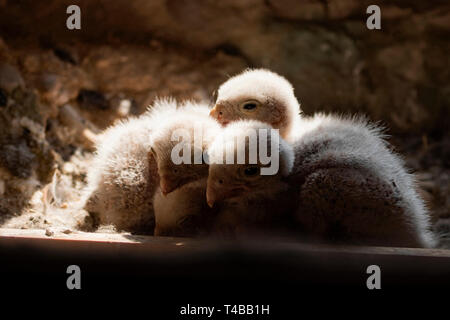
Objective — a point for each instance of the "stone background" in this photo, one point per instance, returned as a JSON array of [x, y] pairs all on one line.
[[58, 87]]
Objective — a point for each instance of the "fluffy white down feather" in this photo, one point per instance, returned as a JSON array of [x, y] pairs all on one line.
[[124, 174], [329, 141]]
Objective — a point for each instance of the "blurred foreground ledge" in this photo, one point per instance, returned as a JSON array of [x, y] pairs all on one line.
[[150, 244], [163, 263]]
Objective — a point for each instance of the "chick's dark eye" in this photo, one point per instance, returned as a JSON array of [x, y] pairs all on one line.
[[251, 171], [175, 170], [249, 106]]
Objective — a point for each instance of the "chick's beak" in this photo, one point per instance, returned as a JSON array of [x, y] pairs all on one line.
[[211, 196], [167, 185], [217, 114], [214, 112]]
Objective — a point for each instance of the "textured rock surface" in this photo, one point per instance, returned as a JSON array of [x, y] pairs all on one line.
[[399, 74], [130, 51]]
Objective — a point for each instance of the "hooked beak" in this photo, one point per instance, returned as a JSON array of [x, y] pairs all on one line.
[[167, 185], [214, 113], [211, 196], [217, 114]]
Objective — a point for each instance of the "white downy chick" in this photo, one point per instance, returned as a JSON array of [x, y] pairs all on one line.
[[345, 185]]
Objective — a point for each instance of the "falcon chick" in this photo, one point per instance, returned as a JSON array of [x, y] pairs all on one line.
[[345, 185]]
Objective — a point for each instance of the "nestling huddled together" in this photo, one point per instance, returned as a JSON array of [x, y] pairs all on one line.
[[253, 164]]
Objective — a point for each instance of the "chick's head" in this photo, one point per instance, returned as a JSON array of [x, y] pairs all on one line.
[[174, 175], [258, 95], [249, 159], [178, 147]]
